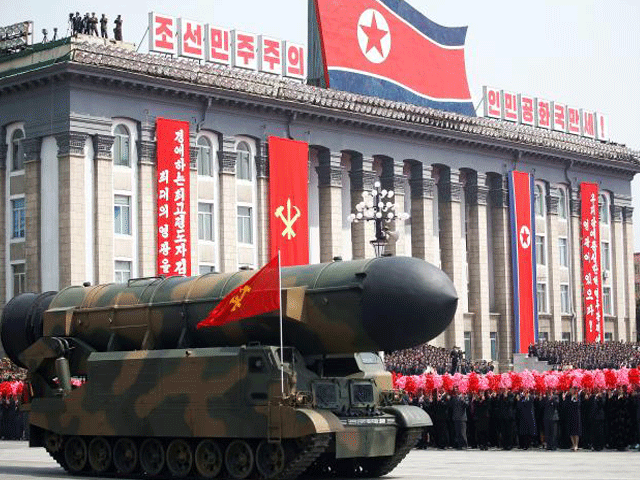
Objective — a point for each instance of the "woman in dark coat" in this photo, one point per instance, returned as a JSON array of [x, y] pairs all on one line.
[[597, 404], [481, 414], [526, 419], [441, 417], [550, 415], [620, 420], [574, 418], [507, 419]]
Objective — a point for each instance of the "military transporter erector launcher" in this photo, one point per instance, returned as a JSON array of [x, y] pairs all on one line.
[[162, 398]]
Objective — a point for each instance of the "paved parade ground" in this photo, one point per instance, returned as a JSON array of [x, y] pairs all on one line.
[[18, 462]]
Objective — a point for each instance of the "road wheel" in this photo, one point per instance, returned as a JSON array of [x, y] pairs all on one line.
[[238, 459], [269, 459], [125, 455], [208, 458], [75, 454], [99, 455], [152, 456], [179, 458]]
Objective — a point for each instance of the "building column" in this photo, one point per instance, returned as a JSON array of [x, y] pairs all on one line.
[[422, 190], [553, 263], [330, 204], [627, 215], [476, 192], [103, 201], [33, 247], [453, 249], [228, 211], [362, 179], [147, 202], [72, 204], [618, 266], [193, 202], [262, 203], [393, 178], [3, 208], [577, 323], [503, 280]]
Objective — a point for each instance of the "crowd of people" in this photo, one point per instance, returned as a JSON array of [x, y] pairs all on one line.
[[571, 409], [587, 356], [414, 361], [12, 393]]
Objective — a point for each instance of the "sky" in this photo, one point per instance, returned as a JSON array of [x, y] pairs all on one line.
[[584, 53]]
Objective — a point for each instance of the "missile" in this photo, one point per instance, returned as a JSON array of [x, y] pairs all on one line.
[[380, 304]]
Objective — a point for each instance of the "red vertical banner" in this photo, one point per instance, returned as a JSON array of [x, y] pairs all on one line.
[[174, 245], [288, 200], [591, 274], [525, 311]]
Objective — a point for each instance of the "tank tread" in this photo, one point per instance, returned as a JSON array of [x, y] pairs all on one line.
[[406, 440], [313, 447]]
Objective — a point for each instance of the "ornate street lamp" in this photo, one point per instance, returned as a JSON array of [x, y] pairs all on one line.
[[376, 205]]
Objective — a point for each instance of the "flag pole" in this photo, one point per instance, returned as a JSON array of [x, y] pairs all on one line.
[[281, 335]]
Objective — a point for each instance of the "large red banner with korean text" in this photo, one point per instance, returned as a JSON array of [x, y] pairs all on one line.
[[591, 274], [174, 245], [288, 199], [525, 311]]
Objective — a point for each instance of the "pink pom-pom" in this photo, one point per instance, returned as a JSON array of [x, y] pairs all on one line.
[[623, 376], [527, 380], [437, 381], [483, 383], [505, 381], [401, 383], [599, 380], [463, 385], [551, 381]]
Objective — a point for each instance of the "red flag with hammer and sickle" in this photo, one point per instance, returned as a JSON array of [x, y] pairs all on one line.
[[260, 294], [288, 200]]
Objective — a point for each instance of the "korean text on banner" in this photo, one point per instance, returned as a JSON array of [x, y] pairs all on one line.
[[260, 294], [288, 200], [525, 311], [389, 49], [591, 274], [174, 244]]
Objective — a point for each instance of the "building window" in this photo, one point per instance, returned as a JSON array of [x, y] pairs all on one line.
[[467, 345], [121, 146], [563, 251], [539, 201], [204, 269], [18, 217], [205, 222], [606, 257], [243, 161], [541, 297], [566, 336], [608, 337], [562, 204], [204, 157], [541, 254], [543, 336], [245, 230], [606, 301], [493, 339], [565, 305], [122, 271], [122, 214], [19, 278], [17, 154], [604, 209]]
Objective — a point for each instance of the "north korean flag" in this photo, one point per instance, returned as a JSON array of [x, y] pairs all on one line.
[[388, 49], [525, 309]]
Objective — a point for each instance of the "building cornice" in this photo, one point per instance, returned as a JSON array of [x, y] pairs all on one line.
[[233, 87]]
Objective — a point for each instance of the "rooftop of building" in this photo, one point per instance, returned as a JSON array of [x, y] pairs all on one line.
[[122, 57]]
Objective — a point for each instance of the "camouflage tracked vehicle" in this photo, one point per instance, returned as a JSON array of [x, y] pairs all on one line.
[[163, 398]]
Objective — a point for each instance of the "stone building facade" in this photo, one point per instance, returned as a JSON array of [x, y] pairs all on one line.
[[77, 184]]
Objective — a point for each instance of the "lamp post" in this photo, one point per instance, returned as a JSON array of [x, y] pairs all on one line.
[[376, 205]]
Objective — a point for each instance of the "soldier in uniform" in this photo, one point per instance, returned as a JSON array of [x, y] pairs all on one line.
[[93, 24], [103, 26], [117, 31]]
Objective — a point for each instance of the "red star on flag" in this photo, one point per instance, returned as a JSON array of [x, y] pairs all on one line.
[[374, 35]]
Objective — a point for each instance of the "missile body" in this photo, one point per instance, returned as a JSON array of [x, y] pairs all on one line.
[[379, 304]]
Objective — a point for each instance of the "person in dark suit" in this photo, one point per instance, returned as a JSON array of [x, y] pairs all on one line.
[[596, 406], [507, 419], [441, 416], [550, 405], [574, 417], [526, 419], [481, 411], [459, 418]]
